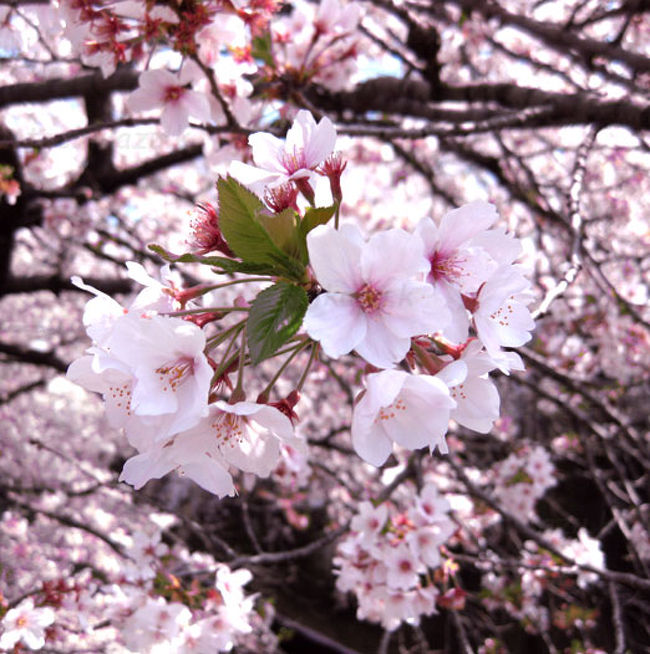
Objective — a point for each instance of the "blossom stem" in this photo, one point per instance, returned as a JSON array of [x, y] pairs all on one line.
[[314, 351], [232, 282], [189, 312], [238, 393], [222, 336], [298, 348], [214, 87], [227, 360]]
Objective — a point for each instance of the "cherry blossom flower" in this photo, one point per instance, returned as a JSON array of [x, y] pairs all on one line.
[[463, 252], [307, 145], [521, 479], [186, 453], [369, 521], [25, 624], [156, 622], [501, 317], [425, 542], [429, 507], [387, 567], [206, 234], [476, 396], [374, 302], [226, 30], [244, 435], [100, 313], [410, 410], [157, 295], [153, 369], [402, 567], [334, 17], [161, 88]]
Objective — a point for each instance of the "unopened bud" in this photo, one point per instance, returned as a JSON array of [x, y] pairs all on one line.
[[202, 319], [333, 168]]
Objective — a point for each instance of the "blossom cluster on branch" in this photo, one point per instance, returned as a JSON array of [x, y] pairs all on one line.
[[162, 365], [389, 558], [308, 388]]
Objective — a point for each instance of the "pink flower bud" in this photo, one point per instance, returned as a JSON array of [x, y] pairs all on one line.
[[333, 168]]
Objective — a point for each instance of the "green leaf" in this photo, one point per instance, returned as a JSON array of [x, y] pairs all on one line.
[[262, 48], [284, 230], [188, 257], [239, 220], [161, 252], [275, 316], [233, 266], [225, 264], [315, 216]]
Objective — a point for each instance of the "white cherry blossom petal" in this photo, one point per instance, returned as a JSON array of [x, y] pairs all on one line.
[[393, 253], [459, 225], [334, 255], [382, 347], [337, 322]]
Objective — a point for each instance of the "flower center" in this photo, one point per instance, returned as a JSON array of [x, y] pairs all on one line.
[[389, 412], [121, 395], [503, 313], [293, 161], [228, 430], [369, 298], [405, 566], [173, 93], [172, 375], [445, 266]]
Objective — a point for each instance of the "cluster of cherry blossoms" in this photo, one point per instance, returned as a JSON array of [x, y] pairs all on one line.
[[153, 623], [142, 602], [521, 479], [520, 594], [220, 43], [389, 558], [140, 596], [428, 311]]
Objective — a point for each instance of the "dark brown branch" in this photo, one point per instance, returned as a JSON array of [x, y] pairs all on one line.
[[133, 175], [55, 89], [25, 388], [323, 642], [34, 357], [57, 284], [414, 98]]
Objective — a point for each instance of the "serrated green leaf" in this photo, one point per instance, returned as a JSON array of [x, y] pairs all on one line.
[[315, 216], [239, 212], [284, 230], [275, 316], [233, 266], [227, 265]]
